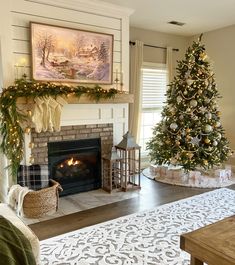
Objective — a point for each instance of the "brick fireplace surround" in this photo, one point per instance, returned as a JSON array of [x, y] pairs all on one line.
[[75, 132], [106, 121]]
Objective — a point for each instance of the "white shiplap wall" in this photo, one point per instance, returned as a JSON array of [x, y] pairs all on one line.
[[91, 15]]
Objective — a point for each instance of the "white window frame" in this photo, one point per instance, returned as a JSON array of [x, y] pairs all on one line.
[[150, 65]]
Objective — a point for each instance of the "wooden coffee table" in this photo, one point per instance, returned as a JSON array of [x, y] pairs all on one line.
[[213, 244]]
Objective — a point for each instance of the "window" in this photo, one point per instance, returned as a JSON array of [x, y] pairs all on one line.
[[154, 79]]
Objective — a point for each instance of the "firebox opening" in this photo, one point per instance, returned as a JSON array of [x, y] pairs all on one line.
[[76, 165]]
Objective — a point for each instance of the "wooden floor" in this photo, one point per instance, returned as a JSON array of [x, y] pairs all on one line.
[[152, 194]]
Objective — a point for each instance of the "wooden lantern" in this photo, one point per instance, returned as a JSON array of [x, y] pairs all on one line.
[[112, 171], [129, 152]]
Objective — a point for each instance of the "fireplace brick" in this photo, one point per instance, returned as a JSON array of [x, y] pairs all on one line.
[[68, 137], [92, 126], [103, 131], [55, 138]]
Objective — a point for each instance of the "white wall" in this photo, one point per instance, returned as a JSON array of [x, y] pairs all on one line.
[[15, 16], [219, 46], [159, 39]]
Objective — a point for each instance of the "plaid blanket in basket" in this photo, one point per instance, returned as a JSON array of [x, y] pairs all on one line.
[[34, 177]]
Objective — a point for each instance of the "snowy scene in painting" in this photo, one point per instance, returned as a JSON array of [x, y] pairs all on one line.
[[69, 55]]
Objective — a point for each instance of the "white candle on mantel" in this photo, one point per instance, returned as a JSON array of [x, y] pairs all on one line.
[[23, 64], [121, 83], [116, 78], [122, 78]]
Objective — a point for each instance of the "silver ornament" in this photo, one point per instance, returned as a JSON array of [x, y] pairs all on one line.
[[173, 126], [208, 128], [195, 140], [208, 115], [193, 103]]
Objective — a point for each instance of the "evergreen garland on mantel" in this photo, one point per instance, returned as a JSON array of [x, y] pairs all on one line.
[[11, 119]]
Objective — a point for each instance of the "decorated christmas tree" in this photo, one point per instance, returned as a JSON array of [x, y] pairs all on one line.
[[190, 133]]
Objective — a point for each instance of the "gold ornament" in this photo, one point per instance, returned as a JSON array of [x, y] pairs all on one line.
[[203, 56], [29, 113], [31, 160], [218, 113], [199, 91], [187, 130], [205, 162], [188, 136], [27, 130], [190, 155], [207, 141], [167, 141], [177, 143], [31, 145]]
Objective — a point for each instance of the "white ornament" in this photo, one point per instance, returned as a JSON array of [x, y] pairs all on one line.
[[189, 82], [188, 110], [215, 143], [179, 99], [219, 136], [193, 103], [217, 124], [208, 115], [208, 128], [173, 126]]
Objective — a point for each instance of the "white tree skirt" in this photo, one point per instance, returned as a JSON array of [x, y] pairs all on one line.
[[216, 178]]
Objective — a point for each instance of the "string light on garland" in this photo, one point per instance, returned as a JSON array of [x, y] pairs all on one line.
[[12, 133]]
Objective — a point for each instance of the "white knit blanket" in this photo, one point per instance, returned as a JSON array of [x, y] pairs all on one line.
[[150, 237]]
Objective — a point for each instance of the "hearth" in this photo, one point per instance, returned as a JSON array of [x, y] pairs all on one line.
[[76, 164]]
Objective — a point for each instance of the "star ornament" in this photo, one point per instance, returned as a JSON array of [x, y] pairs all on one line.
[[203, 109], [195, 140]]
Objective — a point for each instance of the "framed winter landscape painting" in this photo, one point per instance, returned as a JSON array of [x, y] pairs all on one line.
[[69, 55]]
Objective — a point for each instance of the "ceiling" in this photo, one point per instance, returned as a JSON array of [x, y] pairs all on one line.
[[199, 16]]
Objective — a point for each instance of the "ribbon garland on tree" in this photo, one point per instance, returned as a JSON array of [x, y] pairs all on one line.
[[12, 133]]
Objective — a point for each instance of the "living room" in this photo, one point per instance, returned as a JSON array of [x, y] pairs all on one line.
[[108, 119]]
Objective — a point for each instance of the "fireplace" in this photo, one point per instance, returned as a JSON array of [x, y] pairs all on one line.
[[76, 164]]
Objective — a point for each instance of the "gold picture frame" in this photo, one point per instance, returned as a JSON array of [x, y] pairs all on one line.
[[61, 54]]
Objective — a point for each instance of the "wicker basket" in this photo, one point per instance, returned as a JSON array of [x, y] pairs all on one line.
[[41, 202]]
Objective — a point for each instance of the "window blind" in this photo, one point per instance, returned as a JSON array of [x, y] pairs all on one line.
[[153, 88]]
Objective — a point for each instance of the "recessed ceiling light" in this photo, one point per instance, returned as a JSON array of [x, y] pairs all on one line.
[[177, 23]]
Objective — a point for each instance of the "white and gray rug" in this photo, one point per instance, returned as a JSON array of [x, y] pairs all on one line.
[[150, 237]]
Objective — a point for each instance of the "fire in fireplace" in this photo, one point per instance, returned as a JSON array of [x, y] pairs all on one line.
[[76, 165]]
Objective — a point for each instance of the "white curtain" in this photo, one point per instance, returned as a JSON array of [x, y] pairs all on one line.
[[169, 64], [136, 61]]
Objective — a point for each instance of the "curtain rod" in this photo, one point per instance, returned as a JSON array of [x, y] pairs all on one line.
[[153, 46]]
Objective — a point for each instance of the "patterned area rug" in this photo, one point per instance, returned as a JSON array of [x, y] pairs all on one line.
[[150, 237]]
